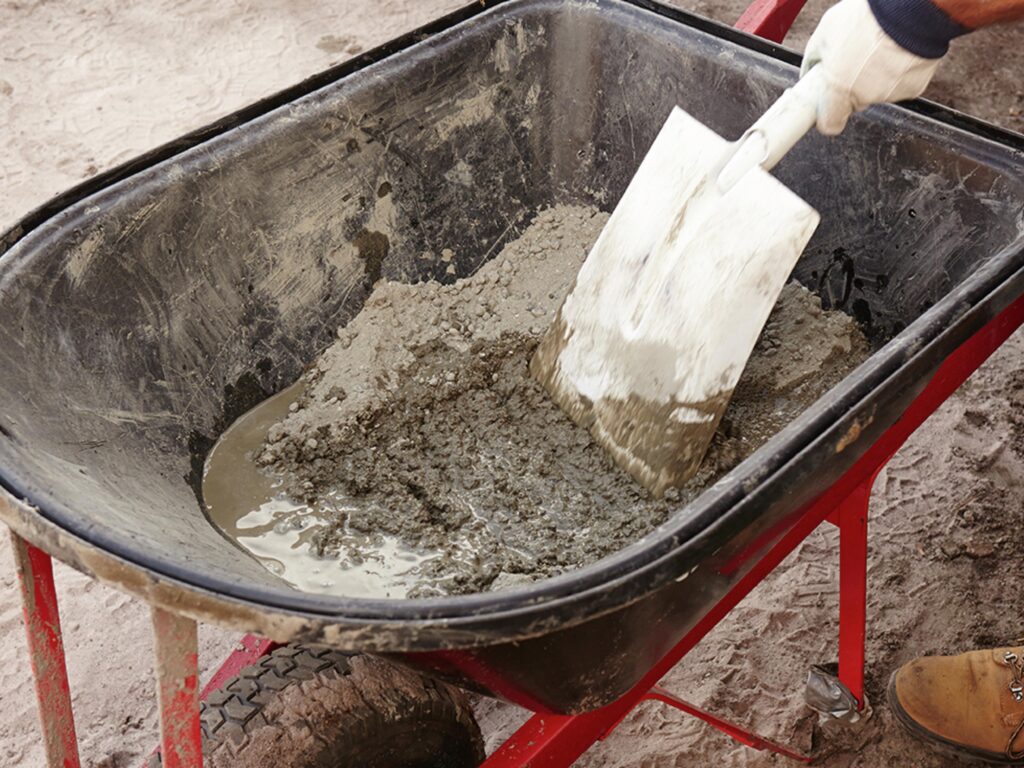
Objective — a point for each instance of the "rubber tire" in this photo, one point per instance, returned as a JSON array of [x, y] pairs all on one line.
[[309, 707]]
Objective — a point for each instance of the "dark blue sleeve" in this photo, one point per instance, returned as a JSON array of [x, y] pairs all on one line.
[[920, 26]]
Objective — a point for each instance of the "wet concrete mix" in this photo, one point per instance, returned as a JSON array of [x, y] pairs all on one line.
[[421, 432]]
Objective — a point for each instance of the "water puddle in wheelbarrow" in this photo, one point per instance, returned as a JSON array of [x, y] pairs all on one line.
[[252, 508], [418, 458]]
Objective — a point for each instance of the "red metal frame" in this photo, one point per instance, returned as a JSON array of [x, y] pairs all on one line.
[[770, 19], [546, 741]]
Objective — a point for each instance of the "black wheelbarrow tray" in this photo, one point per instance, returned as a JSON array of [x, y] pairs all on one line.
[[143, 311]]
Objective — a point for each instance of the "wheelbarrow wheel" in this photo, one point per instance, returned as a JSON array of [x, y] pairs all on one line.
[[309, 707]]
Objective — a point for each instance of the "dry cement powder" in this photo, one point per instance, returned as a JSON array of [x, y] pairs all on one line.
[[422, 419]]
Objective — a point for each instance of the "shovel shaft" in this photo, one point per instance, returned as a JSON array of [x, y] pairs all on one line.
[[768, 140]]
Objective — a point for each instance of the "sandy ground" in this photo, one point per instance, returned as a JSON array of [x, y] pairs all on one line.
[[85, 86]]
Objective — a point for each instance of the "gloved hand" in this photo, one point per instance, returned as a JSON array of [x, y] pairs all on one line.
[[862, 64]]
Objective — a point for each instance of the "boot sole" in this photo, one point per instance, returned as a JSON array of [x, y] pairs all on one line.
[[965, 754]]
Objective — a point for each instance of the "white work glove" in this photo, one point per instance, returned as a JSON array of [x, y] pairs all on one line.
[[861, 63]]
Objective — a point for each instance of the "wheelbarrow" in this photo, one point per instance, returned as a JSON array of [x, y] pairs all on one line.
[[144, 310]]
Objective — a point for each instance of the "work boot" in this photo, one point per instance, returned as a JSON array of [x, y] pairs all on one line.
[[969, 706]]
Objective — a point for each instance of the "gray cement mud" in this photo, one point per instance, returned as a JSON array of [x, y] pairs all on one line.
[[419, 458]]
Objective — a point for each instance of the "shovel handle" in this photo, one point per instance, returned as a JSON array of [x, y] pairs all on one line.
[[769, 139]]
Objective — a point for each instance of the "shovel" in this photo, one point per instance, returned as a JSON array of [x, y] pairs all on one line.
[[647, 348]]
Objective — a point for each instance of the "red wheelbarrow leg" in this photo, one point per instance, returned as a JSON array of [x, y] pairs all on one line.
[[250, 649], [770, 19], [177, 679], [853, 589], [46, 648]]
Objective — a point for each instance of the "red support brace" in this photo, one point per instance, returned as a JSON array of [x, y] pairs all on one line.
[[46, 648], [250, 649], [657, 693]]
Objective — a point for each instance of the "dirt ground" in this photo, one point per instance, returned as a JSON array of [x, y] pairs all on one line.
[[85, 86]]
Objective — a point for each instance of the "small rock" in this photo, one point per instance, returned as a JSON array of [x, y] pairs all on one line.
[[978, 549], [950, 549]]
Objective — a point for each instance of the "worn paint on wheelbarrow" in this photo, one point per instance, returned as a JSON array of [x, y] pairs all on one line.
[[141, 313], [175, 641], [46, 650]]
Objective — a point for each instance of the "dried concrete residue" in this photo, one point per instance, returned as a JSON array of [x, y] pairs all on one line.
[[423, 416]]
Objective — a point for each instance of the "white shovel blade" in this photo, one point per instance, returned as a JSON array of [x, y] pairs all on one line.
[[650, 343]]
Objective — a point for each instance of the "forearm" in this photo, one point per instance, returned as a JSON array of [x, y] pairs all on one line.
[[925, 27], [981, 13]]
